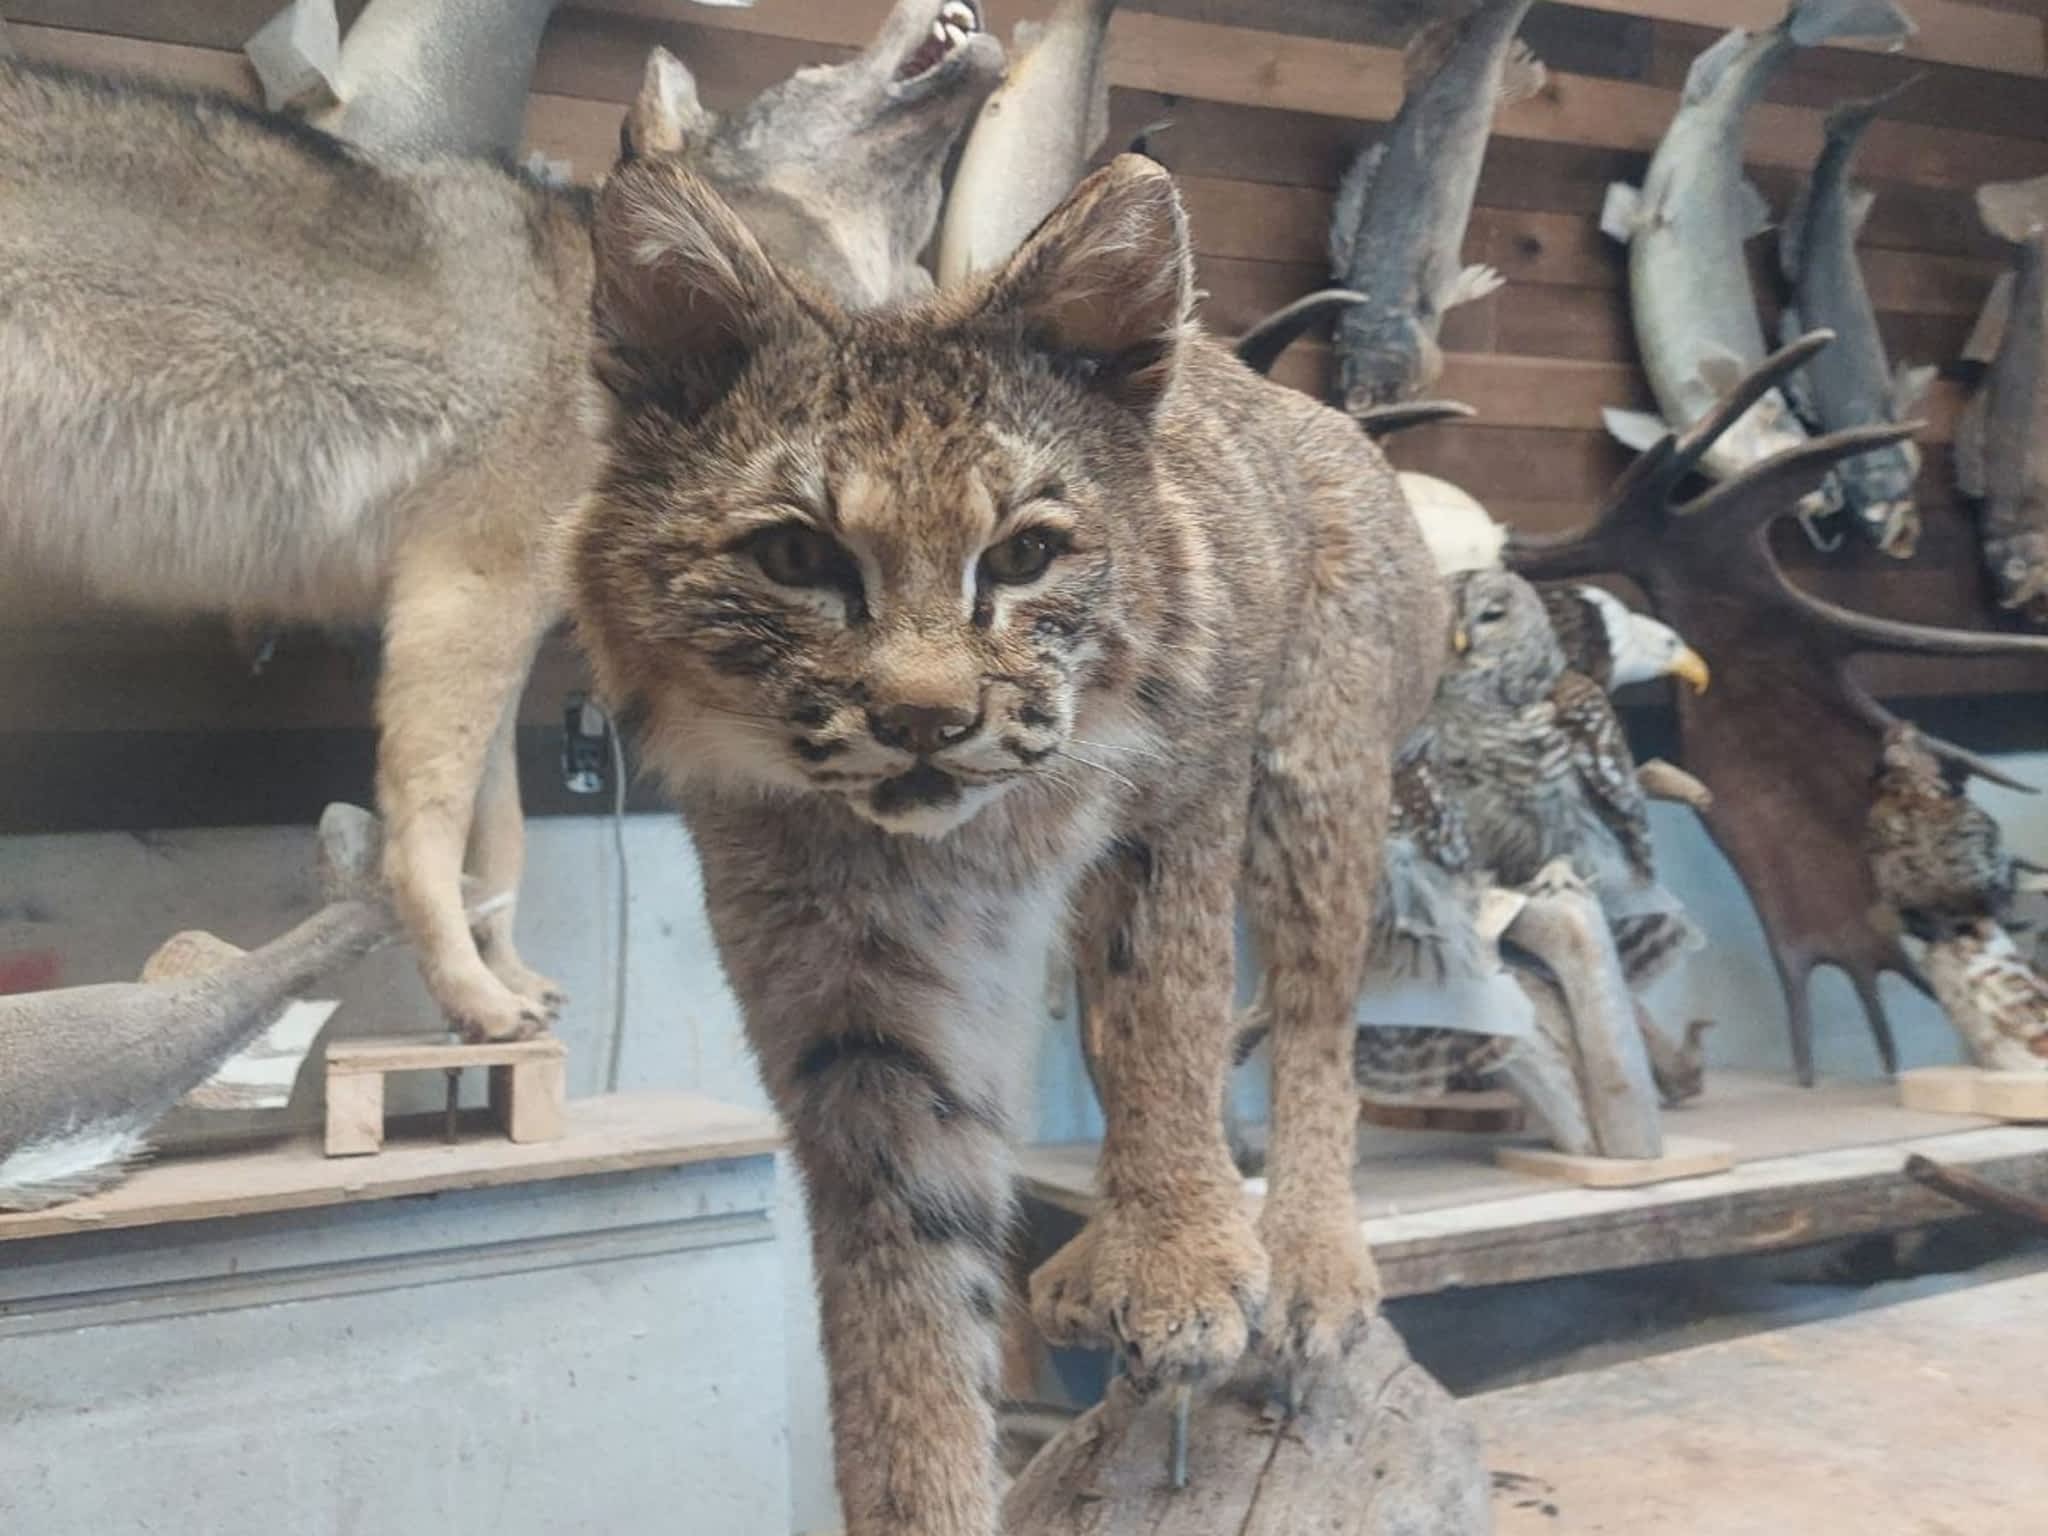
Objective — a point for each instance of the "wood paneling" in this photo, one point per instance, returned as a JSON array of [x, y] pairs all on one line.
[[1267, 103]]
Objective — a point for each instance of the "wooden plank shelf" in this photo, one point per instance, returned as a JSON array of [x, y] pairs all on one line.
[[615, 1133], [1811, 1165]]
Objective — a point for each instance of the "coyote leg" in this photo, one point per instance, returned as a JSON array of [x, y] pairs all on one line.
[[459, 637]]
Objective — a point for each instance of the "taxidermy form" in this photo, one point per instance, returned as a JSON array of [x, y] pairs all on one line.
[[1695, 316], [1787, 740], [1032, 141], [1850, 383], [948, 621], [85, 1072], [2002, 437], [1402, 207], [184, 431]]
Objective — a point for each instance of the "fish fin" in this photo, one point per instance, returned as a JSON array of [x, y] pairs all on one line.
[[1721, 371], [297, 57], [351, 853], [2012, 210], [1756, 212], [1909, 388], [1522, 76], [69, 1164], [1428, 50], [191, 953], [1471, 284], [1621, 214], [1969, 448], [1706, 70], [1821, 21], [262, 1073], [1352, 192], [1861, 201], [1988, 334], [1635, 429]]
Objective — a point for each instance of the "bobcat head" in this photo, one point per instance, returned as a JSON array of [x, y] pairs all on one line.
[[882, 556]]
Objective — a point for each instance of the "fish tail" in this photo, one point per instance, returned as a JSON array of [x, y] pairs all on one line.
[[1811, 22], [351, 849]]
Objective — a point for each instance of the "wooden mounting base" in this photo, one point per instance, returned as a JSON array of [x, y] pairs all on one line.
[[1684, 1157], [528, 1085], [1488, 1111], [2020, 1096]]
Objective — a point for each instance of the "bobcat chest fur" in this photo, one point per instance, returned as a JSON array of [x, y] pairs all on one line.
[[1019, 609]]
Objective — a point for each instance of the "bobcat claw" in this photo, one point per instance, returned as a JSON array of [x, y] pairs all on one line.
[[1177, 1437]]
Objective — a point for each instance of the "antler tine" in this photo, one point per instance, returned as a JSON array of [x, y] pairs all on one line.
[[1639, 495], [1868, 632], [1260, 347], [1860, 699], [1770, 489], [1758, 382]]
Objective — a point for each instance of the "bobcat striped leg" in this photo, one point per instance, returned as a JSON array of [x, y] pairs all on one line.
[[909, 1183]]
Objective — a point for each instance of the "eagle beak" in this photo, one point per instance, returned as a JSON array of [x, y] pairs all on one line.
[[1460, 641], [1691, 668]]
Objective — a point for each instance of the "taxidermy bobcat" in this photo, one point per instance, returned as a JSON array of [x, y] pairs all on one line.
[[949, 624], [247, 369]]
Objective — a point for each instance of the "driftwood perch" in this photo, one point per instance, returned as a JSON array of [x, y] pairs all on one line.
[[1378, 1450]]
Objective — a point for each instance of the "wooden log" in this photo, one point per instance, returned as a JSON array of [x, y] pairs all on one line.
[[1377, 1449], [1563, 926]]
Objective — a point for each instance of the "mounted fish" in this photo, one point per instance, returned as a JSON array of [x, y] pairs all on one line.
[[1032, 141], [413, 77], [1695, 316], [1402, 207], [2002, 438], [85, 1072], [1851, 383]]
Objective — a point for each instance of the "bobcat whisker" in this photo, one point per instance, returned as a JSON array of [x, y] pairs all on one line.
[[1075, 757], [1107, 746]]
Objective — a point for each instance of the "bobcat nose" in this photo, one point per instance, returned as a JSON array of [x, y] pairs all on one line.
[[922, 728]]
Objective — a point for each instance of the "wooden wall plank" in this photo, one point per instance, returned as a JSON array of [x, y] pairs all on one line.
[[1950, 31]]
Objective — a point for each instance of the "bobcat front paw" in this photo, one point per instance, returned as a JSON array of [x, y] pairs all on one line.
[[1324, 1292], [1176, 1293]]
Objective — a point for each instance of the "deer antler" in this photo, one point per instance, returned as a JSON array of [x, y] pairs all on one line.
[[1788, 738]]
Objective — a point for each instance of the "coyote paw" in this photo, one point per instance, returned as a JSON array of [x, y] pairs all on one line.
[[1176, 1292], [529, 984], [1325, 1290], [484, 1008]]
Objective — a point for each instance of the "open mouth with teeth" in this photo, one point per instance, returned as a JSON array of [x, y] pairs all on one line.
[[958, 20]]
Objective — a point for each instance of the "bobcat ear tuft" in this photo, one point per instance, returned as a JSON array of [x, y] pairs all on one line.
[[683, 292], [666, 114], [1108, 278]]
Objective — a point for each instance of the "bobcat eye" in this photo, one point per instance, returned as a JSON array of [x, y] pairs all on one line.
[[797, 555], [1020, 558]]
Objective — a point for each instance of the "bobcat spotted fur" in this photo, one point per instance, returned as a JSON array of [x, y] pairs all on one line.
[[1021, 607]]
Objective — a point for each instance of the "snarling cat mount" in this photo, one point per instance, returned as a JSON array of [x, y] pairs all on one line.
[[1788, 738]]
